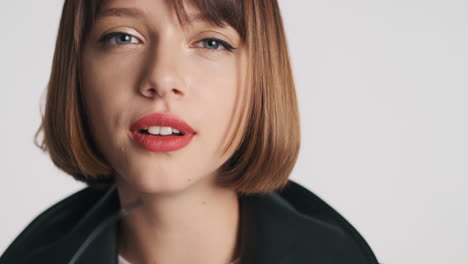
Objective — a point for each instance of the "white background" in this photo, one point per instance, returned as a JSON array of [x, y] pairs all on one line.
[[382, 88]]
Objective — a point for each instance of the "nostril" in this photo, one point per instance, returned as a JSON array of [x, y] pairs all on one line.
[[177, 92], [150, 92], [160, 92]]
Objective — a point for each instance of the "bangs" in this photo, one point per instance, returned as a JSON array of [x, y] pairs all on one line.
[[215, 12]]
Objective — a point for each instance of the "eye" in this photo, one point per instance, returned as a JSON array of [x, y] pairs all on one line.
[[215, 44], [118, 38]]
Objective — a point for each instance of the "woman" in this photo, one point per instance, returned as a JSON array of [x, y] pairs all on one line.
[[181, 116]]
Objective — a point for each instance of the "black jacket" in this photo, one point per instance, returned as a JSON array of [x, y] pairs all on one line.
[[291, 226]]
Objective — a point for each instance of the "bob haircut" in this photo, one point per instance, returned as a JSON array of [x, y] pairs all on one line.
[[270, 141]]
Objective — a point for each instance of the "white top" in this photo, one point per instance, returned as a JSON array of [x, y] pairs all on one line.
[[124, 261]]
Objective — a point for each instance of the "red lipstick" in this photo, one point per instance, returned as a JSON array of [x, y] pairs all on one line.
[[161, 143]]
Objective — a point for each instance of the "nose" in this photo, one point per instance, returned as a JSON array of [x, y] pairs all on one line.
[[162, 72]]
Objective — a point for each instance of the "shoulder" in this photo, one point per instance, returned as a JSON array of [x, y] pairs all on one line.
[[321, 242], [324, 228], [53, 223], [307, 229]]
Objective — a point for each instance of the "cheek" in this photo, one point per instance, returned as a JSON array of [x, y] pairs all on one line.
[[217, 95], [215, 85], [104, 97], [105, 88]]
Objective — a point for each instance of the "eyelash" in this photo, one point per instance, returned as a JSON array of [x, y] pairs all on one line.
[[104, 40]]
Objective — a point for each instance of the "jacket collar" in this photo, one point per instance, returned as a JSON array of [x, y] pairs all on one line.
[[267, 229], [291, 225]]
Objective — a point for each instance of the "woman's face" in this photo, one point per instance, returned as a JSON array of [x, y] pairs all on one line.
[[153, 65]]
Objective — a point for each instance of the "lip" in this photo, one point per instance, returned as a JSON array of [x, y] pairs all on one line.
[[162, 143]]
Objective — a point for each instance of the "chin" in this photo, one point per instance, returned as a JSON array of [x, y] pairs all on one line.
[[156, 183]]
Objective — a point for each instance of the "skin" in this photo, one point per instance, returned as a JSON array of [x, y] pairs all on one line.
[[185, 217]]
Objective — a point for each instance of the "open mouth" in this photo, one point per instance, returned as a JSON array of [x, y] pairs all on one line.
[[146, 132], [161, 132]]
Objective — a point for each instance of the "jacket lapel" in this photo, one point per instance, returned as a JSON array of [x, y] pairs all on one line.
[[271, 229], [267, 230]]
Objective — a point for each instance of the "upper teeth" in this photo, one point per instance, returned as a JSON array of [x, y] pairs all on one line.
[[157, 130]]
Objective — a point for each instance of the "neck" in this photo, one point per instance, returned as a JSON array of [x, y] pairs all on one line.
[[199, 225]]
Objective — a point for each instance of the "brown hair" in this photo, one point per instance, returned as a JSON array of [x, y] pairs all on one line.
[[270, 141]]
